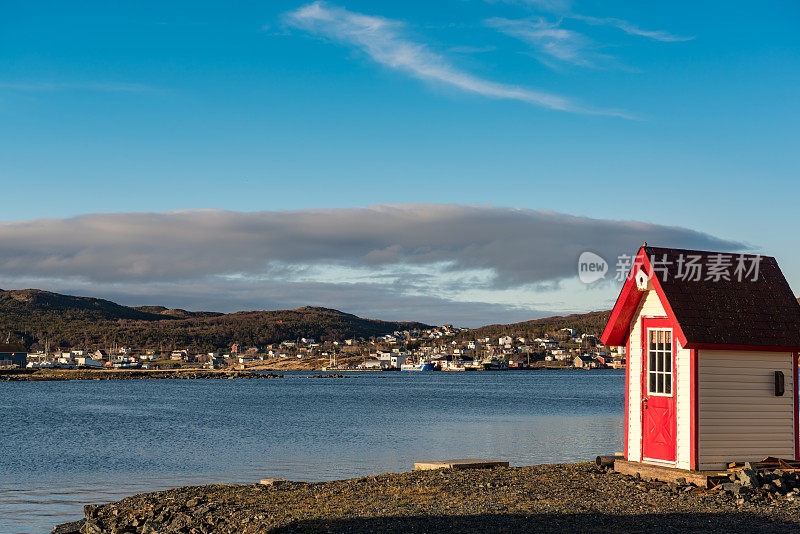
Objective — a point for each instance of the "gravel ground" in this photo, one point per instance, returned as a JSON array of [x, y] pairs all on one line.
[[548, 498]]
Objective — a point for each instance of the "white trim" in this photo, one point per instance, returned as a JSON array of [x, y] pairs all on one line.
[[646, 362], [644, 370], [659, 462]]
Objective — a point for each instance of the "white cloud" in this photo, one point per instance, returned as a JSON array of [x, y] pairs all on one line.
[[567, 45], [428, 262], [383, 40], [518, 246], [631, 29], [549, 39]]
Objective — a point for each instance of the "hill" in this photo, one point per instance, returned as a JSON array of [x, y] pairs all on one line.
[[32, 316], [591, 323]]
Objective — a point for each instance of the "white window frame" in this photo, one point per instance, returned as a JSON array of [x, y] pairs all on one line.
[[672, 354]]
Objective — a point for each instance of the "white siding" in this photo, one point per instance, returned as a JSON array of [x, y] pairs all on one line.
[[740, 418], [634, 363], [683, 406]]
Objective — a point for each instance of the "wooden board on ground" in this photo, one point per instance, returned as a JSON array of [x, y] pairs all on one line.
[[769, 462], [663, 473], [469, 463]]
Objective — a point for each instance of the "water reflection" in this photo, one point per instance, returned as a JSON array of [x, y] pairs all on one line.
[[71, 443]]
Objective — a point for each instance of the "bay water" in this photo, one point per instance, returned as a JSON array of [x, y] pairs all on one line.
[[66, 444]]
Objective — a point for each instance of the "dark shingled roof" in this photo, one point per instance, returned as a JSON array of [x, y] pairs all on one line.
[[760, 312]]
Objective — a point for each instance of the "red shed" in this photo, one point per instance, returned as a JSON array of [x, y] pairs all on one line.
[[712, 340]]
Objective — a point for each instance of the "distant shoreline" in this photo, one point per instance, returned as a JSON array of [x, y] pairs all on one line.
[[44, 375], [255, 372]]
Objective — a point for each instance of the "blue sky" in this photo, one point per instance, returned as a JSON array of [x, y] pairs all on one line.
[[673, 114]]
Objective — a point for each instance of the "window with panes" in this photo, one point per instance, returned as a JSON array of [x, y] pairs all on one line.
[[659, 371]]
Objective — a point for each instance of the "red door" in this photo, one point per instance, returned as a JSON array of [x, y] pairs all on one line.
[[659, 416]]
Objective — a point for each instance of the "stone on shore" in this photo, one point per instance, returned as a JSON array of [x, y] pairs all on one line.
[[547, 498]]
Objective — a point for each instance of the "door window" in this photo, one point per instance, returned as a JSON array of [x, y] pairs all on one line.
[[659, 370]]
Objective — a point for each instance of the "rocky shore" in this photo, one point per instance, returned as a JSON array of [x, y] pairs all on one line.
[[125, 374], [548, 498]]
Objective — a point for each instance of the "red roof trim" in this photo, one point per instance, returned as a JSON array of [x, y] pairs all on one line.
[[617, 328], [664, 302]]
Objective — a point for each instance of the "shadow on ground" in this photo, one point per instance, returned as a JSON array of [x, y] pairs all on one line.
[[568, 523]]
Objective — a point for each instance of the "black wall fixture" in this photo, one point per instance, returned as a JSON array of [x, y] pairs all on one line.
[[778, 383]]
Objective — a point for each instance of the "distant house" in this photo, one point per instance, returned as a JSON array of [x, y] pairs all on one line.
[[87, 361], [213, 363], [397, 360], [100, 354], [579, 363], [372, 363], [13, 355]]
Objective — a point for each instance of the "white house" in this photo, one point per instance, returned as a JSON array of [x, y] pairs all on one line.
[[372, 363], [88, 361], [397, 360], [711, 374]]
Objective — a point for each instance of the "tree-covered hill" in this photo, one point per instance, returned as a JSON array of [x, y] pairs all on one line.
[[590, 323], [34, 317]]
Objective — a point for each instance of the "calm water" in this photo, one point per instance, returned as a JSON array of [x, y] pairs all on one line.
[[66, 444]]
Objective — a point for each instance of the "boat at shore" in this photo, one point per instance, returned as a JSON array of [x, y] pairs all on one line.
[[422, 366]]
